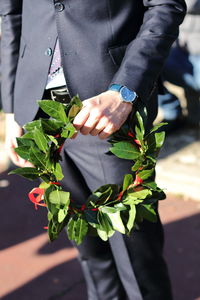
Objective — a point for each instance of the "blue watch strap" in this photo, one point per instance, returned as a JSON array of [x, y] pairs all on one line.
[[115, 87], [125, 94]]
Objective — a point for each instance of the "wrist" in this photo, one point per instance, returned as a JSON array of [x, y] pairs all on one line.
[[125, 94]]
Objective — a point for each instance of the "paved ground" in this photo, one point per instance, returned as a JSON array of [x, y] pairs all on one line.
[[178, 169]]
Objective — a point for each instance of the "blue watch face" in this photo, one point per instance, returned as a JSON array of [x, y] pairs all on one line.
[[127, 95]]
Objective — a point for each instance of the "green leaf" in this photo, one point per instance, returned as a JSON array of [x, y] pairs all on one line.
[[40, 139], [58, 171], [61, 215], [76, 100], [152, 185], [29, 173], [74, 110], [117, 221], [152, 159], [160, 138], [23, 151], [128, 179], [71, 227], [141, 194], [49, 160], [49, 216], [156, 127], [91, 216], [145, 174], [131, 219], [28, 135], [137, 164], [139, 135], [120, 206], [51, 126], [68, 131], [48, 190], [155, 142], [52, 230], [80, 230], [53, 109], [147, 212], [77, 229], [45, 177], [140, 123], [44, 185], [102, 234], [125, 150], [136, 197], [105, 229], [59, 198], [120, 135], [37, 158], [25, 142], [31, 125], [107, 209], [92, 199], [105, 193], [53, 139]]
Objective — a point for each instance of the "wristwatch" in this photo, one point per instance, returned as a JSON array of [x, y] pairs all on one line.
[[126, 95]]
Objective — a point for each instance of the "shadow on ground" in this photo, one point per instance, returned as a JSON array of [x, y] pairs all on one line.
[[182, 251], [54, 285]]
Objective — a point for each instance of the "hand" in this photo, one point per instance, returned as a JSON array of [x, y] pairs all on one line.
[[102, 115], [13, 130]]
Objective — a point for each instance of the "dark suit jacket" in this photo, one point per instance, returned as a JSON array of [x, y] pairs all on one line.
[[102, 42]]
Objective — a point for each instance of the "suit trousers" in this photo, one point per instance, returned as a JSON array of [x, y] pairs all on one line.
[[86, 166]]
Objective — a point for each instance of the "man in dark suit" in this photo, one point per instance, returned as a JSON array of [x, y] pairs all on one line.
[[110, 52]]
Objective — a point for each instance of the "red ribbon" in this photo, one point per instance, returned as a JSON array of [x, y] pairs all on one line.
[[120, 195], [55, 182], [83, 207], [138, 180], [60, 148], [36, 195]]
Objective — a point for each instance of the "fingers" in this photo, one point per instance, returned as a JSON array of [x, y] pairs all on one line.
[[81, 118], [101, 125], [74, 135], [14, 157], [108, 130], [94, 123], [28, 164], [102, 115]]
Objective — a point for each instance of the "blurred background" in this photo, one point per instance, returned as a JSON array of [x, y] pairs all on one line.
[[33, 268]]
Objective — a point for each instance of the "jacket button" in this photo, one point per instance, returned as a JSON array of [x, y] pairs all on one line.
[[48, 52], [59, 6]]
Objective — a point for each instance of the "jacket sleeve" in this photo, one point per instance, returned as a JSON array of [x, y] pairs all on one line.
[[145, 55], [11, 11], [193, 7]]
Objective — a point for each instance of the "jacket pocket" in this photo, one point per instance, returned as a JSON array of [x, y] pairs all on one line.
[[117, 54]]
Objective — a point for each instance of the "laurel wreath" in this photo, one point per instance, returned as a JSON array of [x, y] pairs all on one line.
[[111, 207]]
